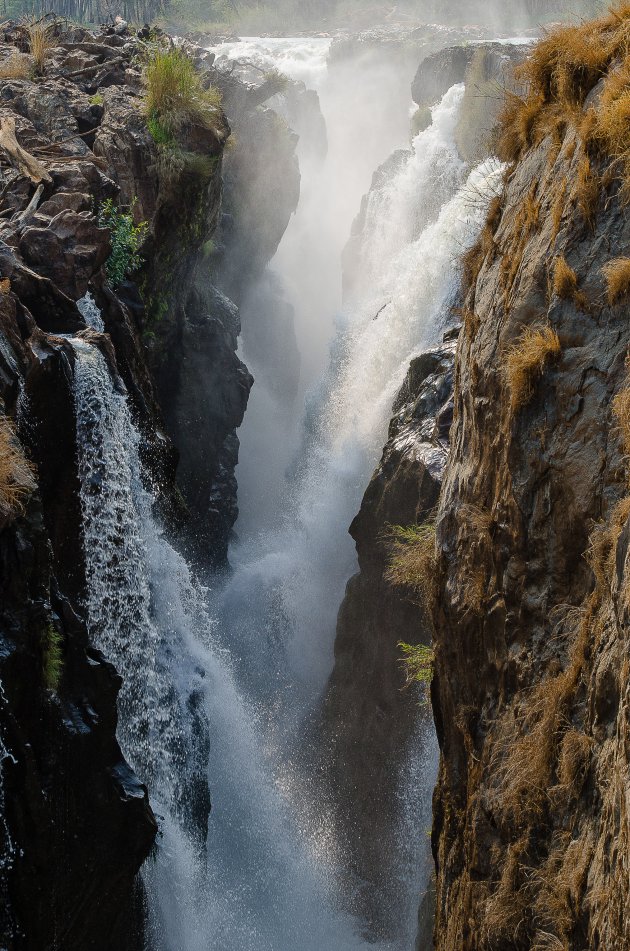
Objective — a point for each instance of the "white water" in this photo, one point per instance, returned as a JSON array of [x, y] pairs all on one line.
[[258, 883], [223, 704]]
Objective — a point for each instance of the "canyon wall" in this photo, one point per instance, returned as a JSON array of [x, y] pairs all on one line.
[[531, 822]]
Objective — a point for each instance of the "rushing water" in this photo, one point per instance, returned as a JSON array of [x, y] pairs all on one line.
[[216, 696]]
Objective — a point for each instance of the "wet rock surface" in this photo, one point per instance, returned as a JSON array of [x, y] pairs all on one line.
[[368, 716]]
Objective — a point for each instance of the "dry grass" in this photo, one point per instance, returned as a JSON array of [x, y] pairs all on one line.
[[565, 283], [575, 760], [526, 360], [617, 276], [16, 66], [587, 190], [175, 96], [17, 474], [485, 245], [561, 71], [621, 411], [40, 40], [505, 913], [412, 560]]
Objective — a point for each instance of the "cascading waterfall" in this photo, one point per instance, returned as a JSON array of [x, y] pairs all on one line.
[[257, 882], [220, 704]]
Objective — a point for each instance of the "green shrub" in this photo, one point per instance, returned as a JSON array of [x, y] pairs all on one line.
[[413, 560], [418, 661], [96, 99], [175, 95], [126, 241], [158, 133], [52, 658]]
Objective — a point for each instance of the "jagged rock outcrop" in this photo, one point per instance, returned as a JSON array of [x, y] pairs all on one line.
[[531, 832], [368, 716]]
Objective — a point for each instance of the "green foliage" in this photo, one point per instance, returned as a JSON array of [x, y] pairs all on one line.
[[96, 99], [159, 134], [175, 96], [418, 661], [52, 658], [126, 239], [412, 560]]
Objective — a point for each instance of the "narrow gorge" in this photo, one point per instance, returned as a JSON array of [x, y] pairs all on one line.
[[314, 423]]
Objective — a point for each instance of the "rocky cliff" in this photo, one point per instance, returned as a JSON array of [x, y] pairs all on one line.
[[76, 823], [531, 830]]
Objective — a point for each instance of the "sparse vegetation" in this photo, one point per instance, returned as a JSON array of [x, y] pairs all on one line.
[[412, 560], [175, 96], [17, 474], [96, 99], [526, 360], [418, 661], [617, 276], [52, 658], [126, 239], [565, 283], [16, 66], [558, 76], [41, 40]]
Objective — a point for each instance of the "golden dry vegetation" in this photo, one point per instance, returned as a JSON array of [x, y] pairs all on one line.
[[17, 475], [526, 360]]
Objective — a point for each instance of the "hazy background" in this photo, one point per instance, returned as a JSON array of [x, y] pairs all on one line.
[[251, 17]]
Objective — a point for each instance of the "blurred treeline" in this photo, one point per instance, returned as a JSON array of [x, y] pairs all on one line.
[[292, 15]]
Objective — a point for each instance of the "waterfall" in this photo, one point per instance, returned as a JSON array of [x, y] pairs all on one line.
[[217, 689], [257, 882]]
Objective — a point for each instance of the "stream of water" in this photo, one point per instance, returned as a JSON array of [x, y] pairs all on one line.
[[217, 691]]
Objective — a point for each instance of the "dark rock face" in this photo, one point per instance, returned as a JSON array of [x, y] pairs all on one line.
[[436, 74], [78, 821], [205, 402], [368, 716], [532, 637]]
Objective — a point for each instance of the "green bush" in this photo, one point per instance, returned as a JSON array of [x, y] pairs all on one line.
[[52, 658], [126, 239], [175, 96], [418, 661]]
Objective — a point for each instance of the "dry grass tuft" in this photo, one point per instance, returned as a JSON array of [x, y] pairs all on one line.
[[485, 245], [617, 276], [412, 560], [41, 40], [587, 189], [621, 410], [565, 283], [575, 760], [16, 66], [526, 360], [561, 71], [17, 474], [505, 913]]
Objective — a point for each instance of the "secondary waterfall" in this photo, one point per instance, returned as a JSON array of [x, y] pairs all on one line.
[[216, 697]]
